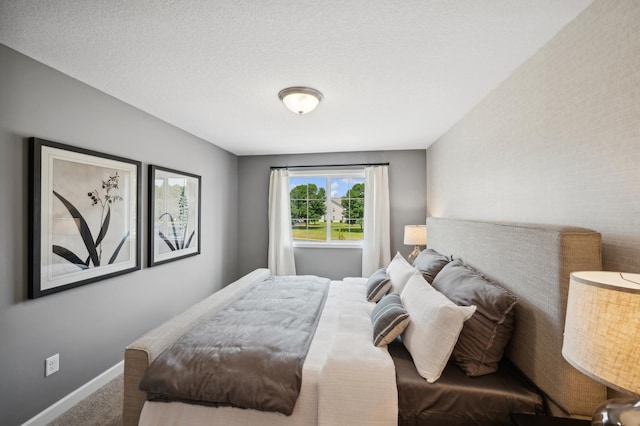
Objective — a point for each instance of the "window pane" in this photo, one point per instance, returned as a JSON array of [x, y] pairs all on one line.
[[299, 229], [317, 188], [295, 182], [347, 205], [308, 208], [356, 231], [317, 231]]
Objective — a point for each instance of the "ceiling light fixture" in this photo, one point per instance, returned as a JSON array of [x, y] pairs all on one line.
[[300, 100]]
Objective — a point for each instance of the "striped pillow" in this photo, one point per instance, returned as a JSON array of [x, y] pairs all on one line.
[[389, 319], [378, 285]]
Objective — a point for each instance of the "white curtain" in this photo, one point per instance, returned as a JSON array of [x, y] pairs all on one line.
[[281, 261], [376, 252]]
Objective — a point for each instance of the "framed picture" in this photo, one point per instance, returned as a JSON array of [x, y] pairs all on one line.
[[174, 215], [84, 216]]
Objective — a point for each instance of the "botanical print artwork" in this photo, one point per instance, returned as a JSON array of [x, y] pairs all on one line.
[[175, 215], [175, 225], [90, 228], [84, 216], [90, 225]]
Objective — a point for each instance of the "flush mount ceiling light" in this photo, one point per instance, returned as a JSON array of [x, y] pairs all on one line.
[[300, 100]]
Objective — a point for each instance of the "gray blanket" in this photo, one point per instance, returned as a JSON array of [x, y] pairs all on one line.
[[248, 355]]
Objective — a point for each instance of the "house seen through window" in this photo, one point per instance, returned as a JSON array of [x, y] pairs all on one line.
[[327, 206]]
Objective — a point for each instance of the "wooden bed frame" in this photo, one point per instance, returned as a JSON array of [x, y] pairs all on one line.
[[533, 262]]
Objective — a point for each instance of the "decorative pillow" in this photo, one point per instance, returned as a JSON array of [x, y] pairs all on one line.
[[399, 271], [434, 326], [389, 319], [378, 285], [484, 337], [430, 262]]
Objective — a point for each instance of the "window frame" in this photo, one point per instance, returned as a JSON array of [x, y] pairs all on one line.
[[328, 174]]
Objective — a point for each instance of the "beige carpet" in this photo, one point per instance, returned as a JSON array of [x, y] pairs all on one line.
[[101, 408]]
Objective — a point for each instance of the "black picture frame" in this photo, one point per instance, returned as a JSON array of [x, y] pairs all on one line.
[[84, 216], [174, 215]]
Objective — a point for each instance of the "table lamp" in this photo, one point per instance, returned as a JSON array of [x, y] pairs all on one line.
[[415, 235], [602, 338]]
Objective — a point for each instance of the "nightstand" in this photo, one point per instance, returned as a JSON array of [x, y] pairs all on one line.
[[532, 420]]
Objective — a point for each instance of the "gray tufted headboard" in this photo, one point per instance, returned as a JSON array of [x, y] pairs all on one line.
[[533, 262]]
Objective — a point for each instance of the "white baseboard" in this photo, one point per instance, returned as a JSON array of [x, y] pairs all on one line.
[[54, 411]]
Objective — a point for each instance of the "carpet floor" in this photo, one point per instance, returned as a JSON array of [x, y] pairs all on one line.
[[101, 408]]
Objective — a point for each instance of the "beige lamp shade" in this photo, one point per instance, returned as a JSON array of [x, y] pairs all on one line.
[[602, 328], [415, 235]]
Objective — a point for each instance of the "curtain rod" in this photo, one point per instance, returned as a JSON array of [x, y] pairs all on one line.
[[326, 166]]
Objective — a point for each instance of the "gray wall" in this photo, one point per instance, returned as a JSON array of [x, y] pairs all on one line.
[[90, 326], [558, 141], [407, 197]]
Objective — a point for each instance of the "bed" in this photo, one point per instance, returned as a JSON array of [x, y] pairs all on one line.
[[348, 380]]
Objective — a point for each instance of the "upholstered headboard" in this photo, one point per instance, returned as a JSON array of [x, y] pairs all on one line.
[[533, 262]]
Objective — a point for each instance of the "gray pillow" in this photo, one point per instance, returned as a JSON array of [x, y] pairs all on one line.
[[485, 335], [430, 262], [378, 285], [389, 319]]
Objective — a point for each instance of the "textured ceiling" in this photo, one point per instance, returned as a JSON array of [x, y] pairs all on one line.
[[394, 74]]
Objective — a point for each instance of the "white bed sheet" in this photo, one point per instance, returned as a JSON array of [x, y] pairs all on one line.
[[346, 380]]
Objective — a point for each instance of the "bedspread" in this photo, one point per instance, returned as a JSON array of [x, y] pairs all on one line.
[[345, 378], [248, 355]]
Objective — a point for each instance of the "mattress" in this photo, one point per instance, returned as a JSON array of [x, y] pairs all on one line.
[[345, 378]]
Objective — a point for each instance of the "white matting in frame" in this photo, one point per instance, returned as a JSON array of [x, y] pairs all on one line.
[[174, 215]]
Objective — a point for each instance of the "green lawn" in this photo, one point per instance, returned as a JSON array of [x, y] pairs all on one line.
[[318, 231]]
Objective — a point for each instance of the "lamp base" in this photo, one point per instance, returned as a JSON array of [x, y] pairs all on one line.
[[413, 255], [618, 412]]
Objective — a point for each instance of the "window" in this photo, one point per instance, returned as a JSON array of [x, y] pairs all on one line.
[[327, 206]]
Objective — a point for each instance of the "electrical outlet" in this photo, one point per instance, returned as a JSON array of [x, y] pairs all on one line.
[[51, 365]]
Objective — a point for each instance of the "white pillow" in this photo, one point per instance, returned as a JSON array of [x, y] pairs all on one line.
[[434, 326], [399, 272]]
